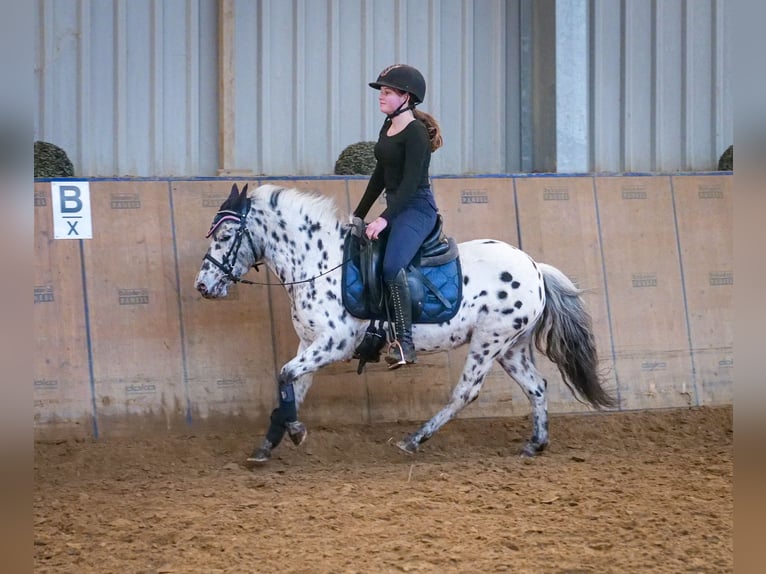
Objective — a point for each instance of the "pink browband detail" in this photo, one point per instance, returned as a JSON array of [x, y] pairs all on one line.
[[235, 217]]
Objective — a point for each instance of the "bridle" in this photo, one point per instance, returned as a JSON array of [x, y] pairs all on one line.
[[230, 258]]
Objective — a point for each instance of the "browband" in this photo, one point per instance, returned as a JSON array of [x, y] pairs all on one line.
[[222, 216]]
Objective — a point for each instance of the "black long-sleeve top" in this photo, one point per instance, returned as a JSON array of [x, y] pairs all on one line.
[[402, 167]]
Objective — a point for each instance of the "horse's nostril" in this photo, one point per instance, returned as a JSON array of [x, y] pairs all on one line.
[[201, 288]]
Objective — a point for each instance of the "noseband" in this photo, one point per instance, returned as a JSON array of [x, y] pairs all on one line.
[[230, 258]]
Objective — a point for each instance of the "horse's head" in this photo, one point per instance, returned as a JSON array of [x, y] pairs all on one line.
[[232, 250]]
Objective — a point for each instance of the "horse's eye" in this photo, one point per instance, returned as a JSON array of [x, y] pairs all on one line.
[[224, 237]]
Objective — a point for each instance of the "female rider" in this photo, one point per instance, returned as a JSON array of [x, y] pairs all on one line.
[[403, 154]]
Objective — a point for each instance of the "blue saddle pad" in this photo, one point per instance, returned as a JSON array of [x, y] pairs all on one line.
[[427, 306]]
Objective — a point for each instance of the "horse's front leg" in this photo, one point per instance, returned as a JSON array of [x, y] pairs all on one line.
[[284, 419], [295, 378]]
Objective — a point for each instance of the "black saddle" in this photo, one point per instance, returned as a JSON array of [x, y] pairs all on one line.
[[434, 298]]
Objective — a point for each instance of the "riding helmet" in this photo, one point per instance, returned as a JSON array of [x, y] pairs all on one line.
[[404, 78]]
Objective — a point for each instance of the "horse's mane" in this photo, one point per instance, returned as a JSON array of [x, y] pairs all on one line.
[[300, 201]]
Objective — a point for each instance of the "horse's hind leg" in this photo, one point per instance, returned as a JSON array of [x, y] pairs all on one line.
[[518, 362], [477, 365]]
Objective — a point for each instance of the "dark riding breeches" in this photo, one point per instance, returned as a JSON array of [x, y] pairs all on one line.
[[407, 231]]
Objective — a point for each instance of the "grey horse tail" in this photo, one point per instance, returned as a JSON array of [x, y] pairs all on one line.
[[565, 335]]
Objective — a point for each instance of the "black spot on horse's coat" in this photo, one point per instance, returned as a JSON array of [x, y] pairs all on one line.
[[328, 346], [274, 236], [515, 284], [483, 293], [274, 198], [502, 294], [517, 323], [330, 323], [506, 277], [507, 311], [517, 304], [465, 280], [483, 309], [320, 245], [540, 293], [341, 345]]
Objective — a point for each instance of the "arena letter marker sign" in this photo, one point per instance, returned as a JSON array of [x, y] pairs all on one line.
[[71, 210]]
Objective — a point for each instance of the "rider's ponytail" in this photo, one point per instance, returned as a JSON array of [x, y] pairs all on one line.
[[434, 131]]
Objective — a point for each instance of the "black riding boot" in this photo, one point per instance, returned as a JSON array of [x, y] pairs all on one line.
[[401, 351]]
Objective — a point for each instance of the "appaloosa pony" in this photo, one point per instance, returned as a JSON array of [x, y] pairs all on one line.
[[509, 303]]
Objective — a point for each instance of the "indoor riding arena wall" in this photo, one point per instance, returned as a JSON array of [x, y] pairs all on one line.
[[124, 343]]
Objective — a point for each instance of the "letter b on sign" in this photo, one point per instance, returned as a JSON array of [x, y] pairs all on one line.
[[69, 196], [71, 210]]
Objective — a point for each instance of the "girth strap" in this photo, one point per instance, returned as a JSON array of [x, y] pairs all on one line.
[[429, 284]]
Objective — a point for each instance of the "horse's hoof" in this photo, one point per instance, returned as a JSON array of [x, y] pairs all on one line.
[[531, 450], [297, 431], [407, 446], [259, 456]]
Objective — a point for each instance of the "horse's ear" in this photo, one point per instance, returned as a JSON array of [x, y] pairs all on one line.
[[243, 193], [234, 191]]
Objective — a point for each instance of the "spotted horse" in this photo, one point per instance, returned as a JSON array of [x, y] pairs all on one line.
[[509, 304]]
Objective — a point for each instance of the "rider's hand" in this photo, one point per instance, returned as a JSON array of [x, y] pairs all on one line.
[[375, 227]]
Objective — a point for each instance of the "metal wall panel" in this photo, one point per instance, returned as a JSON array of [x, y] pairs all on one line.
[[308, 65], [661, 97], [131, 88]]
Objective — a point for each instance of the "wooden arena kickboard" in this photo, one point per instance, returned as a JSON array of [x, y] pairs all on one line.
[[482, 208], [644, 288], [61, 381], [558, 226], [704, 208], [166, 350], [228, 341], [133, 312]]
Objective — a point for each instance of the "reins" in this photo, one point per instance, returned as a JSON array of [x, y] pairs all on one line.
[[231, 255], [309, 280]]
